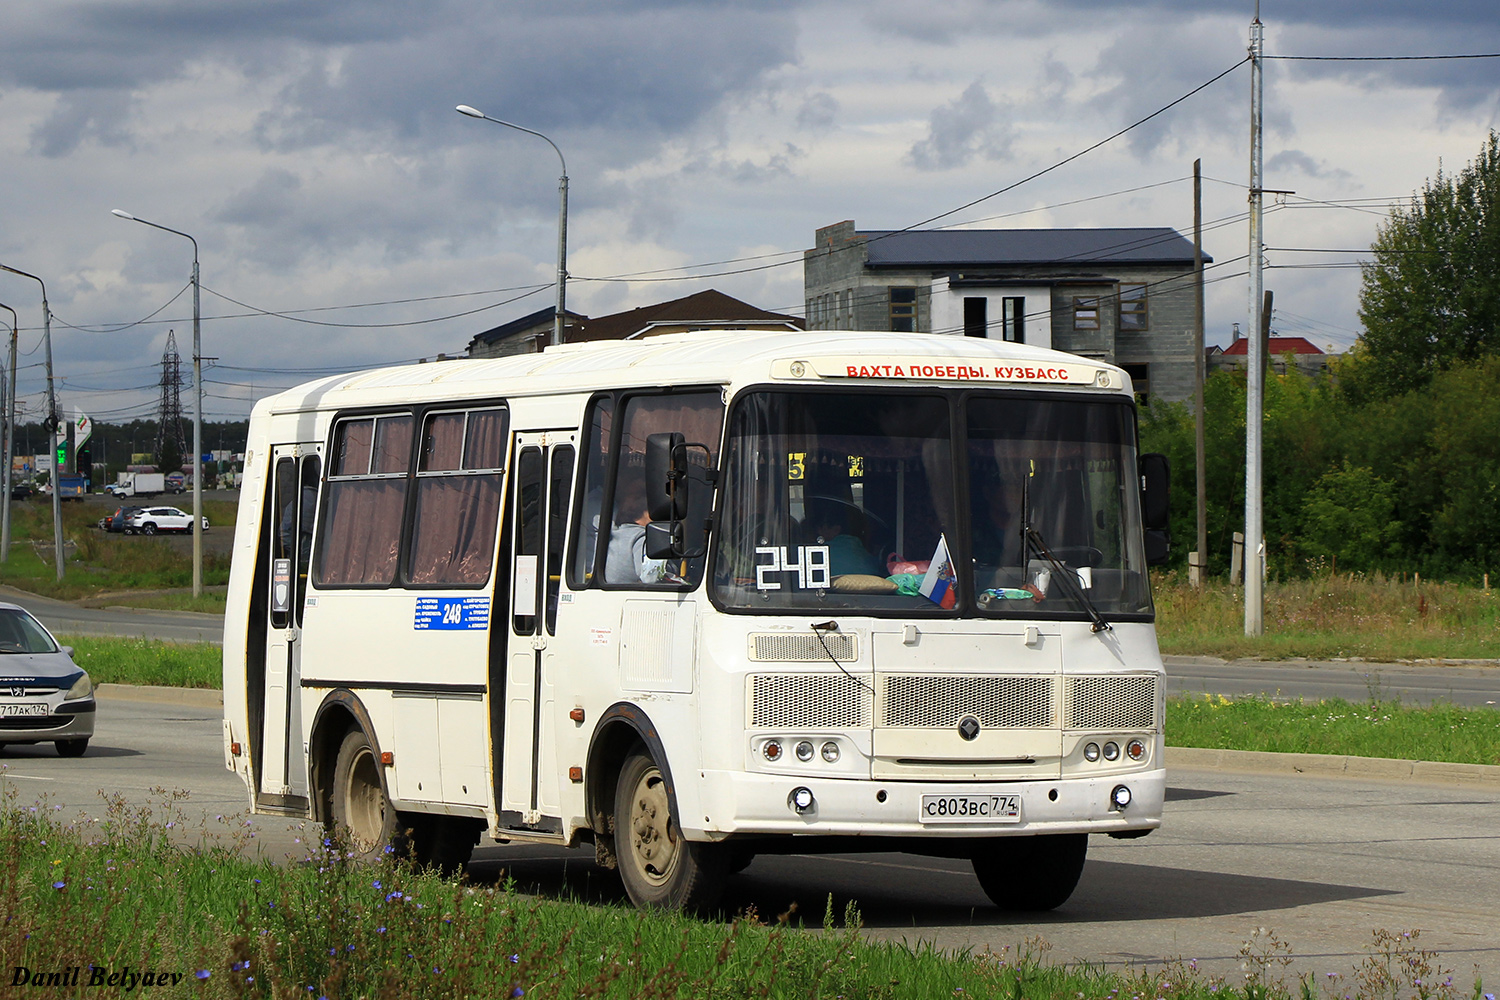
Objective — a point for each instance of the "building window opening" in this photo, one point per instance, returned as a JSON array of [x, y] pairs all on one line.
[[1085, 314], [1013, 319], [1133, 316], [903, 310], [976, 316]]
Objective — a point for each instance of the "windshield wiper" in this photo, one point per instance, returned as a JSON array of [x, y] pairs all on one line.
[[1031, 539]]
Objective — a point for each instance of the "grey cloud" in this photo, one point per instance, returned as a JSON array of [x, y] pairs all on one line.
[[95, 114], [652, 66], [1149, 79], [819, 111], [972, 124], [1296, 161]]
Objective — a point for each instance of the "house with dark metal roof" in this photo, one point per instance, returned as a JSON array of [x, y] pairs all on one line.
[[704, 310], [1122, 295]]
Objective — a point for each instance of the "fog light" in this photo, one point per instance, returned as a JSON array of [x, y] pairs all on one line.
[[772, 749], [1111, 751], [801, 799], [1135, 749], [804, 751], [1091, 752], [1120, 797], [831, 752]]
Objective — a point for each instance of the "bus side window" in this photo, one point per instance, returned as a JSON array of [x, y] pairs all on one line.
[[699, 417], [595, 460], [557, 521]]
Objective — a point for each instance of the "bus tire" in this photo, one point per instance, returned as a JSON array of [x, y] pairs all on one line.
[[659, 867], [1030, 873], [361, 811]]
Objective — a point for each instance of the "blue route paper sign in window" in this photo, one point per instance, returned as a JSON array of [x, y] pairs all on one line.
[[452, 613]]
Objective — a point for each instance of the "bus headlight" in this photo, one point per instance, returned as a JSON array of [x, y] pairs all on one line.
[[805, 751], [1111, 751], [801, 800], [831, 752], [1120, 797], [1091, 752]]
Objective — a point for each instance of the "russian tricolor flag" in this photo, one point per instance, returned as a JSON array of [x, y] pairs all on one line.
[[940, 586]]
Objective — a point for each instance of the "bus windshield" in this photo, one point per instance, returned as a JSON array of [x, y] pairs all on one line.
[[879, 503]]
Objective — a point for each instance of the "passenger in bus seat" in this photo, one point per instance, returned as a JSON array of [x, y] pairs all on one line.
[[625, 560]]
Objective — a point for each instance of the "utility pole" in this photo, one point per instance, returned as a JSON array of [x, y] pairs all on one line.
[[1255, 554], [1201, 568]]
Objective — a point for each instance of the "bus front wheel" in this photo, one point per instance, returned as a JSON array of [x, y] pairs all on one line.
[[660, 868], [360, 808], [1030, 873]]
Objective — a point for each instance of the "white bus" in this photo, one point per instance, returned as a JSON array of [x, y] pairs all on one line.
[[705, 596]]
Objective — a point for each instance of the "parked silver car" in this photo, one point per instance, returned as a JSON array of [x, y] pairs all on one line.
[[44, 696]]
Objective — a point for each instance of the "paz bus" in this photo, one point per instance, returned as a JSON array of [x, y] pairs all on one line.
[[704, 596]]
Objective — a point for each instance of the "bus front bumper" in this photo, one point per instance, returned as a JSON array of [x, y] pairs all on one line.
[[737, 802]]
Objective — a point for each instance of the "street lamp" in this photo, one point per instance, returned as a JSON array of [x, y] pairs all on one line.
[[197, 407], [562, 217], [57, 538], [8, 405]]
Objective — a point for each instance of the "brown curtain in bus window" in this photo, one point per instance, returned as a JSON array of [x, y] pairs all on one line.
[[363, 536], [393, 444], [485, 446], [453, 540], [353, 455], [444, 443], [454, 537]]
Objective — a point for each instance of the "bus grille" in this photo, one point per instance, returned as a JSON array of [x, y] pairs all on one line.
[[1111, 702], [808, 701], [791, 647], [932, 702]]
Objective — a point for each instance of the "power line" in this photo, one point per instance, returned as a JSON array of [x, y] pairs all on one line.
[[1475, 55], [371, 326]]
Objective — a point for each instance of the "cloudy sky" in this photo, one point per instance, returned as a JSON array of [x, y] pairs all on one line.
[[348, 217]]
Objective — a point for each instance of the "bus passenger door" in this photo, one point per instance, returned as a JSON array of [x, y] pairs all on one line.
[[540, 491], [296, 470]]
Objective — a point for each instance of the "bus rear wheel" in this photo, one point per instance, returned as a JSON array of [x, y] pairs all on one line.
[[1030, 873], [360, 809], [659, 867]]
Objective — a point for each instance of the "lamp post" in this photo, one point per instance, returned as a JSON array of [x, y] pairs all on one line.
[[197, 406], [8, 405], [562, 217], [57, 537]]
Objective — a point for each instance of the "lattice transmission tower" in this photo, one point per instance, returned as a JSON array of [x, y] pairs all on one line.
[[169, 423]]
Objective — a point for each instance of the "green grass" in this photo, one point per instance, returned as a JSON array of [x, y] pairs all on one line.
[[325, 927], [148, 661], [1376, 618], [1373, 729], [100, 562]]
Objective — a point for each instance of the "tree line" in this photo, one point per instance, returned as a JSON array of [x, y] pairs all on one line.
[[1390, 460]]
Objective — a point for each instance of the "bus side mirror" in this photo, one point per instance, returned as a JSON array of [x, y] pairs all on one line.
[[664, 540], [666, 476], [1156, 515]]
